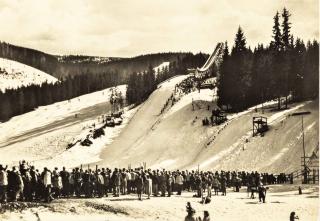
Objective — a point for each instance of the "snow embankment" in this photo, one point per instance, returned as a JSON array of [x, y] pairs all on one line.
[[281, 142], [14, 74]]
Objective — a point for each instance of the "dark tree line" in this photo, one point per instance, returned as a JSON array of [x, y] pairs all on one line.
[[18, 101], [141, 85], [286, 67]]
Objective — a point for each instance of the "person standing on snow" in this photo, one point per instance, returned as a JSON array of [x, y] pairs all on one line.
[[179, 182], [148, 185], [262, 192], [3, 184], [46, 177], [139, 185]]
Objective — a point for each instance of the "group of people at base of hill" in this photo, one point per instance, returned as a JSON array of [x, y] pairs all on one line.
[[26, 183], [206, 216]]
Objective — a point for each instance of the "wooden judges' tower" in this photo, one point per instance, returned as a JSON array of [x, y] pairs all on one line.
[[259, 125]]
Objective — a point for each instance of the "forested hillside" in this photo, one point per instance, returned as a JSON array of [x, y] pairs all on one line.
[[287, 67], [71, 65], [34, 58]]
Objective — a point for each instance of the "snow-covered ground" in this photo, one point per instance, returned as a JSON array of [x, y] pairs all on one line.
[[172, 140], [280, 202], [45, 115], [79, 154], [177, 139], [204, 95], [161, 67], [41, 136], [14, 74]]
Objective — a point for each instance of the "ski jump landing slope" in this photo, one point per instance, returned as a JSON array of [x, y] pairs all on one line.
[[176, 139], [130, 146]]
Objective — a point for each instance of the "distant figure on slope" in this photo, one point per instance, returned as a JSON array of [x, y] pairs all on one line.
[[293, 216]]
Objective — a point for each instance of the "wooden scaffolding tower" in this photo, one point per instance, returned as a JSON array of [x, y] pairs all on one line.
[[259, 125]]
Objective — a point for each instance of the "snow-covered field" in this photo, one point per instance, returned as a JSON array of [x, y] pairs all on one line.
[[14, 74], [41, 136], [280, 202]]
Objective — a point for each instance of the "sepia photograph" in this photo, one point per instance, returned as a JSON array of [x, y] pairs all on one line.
[[159, 110]]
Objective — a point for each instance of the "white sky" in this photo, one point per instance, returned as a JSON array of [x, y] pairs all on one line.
[[133, 27]]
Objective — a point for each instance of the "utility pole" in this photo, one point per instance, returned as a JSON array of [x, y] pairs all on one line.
[[304, 153]]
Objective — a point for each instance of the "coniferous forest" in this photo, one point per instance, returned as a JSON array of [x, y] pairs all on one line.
[[287, 67]]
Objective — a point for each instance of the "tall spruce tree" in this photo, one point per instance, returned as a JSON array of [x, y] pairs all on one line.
[[240, 42], [286, 38], [276, 42], [285, 29]]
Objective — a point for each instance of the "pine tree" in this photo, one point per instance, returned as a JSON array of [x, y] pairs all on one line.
[[240, 42], [285, 29], [276, 43]]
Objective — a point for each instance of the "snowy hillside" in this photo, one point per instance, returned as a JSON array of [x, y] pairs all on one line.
[[15, 74], [177, 139], [162, 66], [41, 136]]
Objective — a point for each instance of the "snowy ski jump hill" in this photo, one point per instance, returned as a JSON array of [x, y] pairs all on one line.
[[171, 137], [14, 74], [177, 138]]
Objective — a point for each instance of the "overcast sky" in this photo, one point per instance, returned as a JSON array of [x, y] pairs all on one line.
[[132, 27]]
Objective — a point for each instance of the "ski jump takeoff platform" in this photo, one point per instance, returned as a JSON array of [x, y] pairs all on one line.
[[214, 58], [259, 125]]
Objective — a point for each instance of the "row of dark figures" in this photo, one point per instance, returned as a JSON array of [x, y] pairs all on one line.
[[28, 184]]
